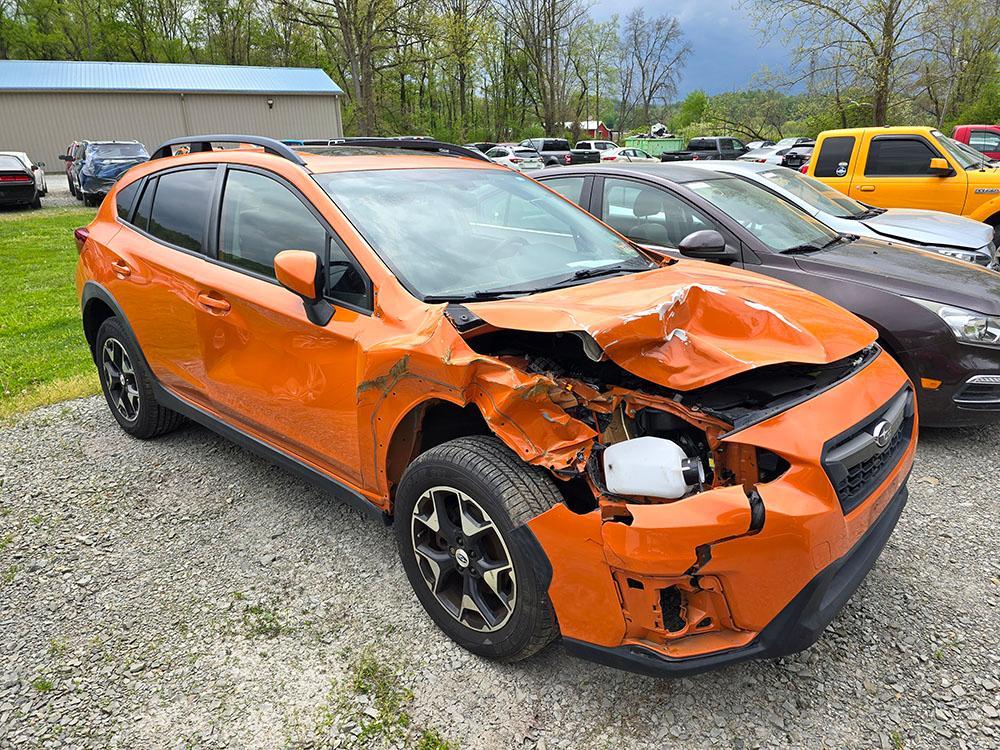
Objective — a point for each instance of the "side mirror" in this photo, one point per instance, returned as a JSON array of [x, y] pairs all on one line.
[[707, 244], [941, 167], [301, 272]]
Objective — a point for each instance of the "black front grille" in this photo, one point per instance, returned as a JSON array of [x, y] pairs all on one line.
[[855, 462]]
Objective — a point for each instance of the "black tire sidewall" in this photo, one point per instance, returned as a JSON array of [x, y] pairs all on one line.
[[514, 637], [144, 425]]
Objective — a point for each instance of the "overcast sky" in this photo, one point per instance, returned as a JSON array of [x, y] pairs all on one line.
[[725, 54]]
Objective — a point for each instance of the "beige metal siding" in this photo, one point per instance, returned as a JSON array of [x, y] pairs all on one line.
[[43, 123]]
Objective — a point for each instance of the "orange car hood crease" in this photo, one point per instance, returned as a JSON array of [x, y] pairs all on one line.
[[688, 325]]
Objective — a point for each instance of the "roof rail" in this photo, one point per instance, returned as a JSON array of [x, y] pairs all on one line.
[[411, 144], [203, 143]]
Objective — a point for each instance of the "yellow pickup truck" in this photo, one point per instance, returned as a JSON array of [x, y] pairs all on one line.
[[909, 167]]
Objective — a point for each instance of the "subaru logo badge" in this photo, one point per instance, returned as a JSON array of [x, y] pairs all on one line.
[[882, 434]]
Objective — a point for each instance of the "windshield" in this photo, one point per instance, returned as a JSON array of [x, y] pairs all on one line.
[[815, 193], [770, 219], [117, 150], [968, 158], [450, 233]]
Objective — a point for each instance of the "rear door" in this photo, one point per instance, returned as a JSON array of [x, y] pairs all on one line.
[[158, 262], [269, 369], [836, 162], [896, 174]]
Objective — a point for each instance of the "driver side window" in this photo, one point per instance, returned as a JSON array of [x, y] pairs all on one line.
[[650, 215], [260, 217]]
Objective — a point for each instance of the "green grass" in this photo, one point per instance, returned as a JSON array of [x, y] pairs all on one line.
[[43, 355]]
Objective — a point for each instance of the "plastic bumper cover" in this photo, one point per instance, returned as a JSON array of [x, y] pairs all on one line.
[[794, 629]]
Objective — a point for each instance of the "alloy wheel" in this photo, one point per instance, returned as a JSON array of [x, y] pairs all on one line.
[[119, 377], [463, 558]]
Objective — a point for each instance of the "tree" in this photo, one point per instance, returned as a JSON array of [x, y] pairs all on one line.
[[690, 111], [871, 46], [652, 53]]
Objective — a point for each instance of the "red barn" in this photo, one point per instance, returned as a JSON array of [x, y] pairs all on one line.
[[592, 129]]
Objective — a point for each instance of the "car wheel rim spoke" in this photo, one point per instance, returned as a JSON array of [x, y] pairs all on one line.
[[463, 559], [120, 379]]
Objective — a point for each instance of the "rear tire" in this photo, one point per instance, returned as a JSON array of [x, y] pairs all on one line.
[[128, 385], [486, 590]]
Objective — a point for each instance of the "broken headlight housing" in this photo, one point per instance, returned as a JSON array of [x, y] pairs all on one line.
[[968, 326]]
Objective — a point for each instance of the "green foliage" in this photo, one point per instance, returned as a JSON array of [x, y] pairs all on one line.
[[43, 684], [43, 354], [691, 110]]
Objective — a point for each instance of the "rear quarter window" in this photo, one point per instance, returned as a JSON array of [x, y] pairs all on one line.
[[835, 156], [125, 198]]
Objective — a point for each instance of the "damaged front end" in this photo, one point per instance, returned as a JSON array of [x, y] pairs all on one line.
[[692, 516]]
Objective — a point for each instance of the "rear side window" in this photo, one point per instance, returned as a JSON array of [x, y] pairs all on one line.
[[260, 218], [180, 208], [570, 188], [835, 156], [125, 198], [984, 140], [895, 157]]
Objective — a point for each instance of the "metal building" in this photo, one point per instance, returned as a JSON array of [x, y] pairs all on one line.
[[45, 105]]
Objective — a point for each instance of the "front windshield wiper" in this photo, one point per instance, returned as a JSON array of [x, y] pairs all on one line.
[[582, 273], [813, 248]]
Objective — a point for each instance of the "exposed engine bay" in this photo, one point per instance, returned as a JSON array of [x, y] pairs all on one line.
[[655, 444]]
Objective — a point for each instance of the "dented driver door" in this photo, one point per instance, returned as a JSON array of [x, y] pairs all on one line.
[[270, 370]]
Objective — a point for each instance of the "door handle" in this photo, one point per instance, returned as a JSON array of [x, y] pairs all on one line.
[[121, 268], [866, 188], [214, 303]]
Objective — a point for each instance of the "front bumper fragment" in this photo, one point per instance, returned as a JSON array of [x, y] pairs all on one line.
[[795, 628]]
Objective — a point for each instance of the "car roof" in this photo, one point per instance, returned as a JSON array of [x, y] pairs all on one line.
[[679, 173]]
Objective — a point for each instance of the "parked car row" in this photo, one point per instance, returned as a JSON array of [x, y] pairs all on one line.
[[578, 428]]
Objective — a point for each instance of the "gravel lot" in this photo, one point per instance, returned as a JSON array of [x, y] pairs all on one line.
[[183, 593]]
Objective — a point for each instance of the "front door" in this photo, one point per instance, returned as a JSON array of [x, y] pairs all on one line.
[[649, 214], [897, 175], [270, 370]]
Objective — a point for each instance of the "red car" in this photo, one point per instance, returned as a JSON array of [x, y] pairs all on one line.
[[73, 152], [983, 138]]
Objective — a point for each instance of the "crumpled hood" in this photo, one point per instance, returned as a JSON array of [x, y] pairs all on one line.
[[692, 323], [931, 228]]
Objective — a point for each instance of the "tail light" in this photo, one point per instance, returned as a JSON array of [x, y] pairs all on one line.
[[695, 158], [515, 160], [81, 235], [609, 158], [15, 178], [804, 169], [567, 159]]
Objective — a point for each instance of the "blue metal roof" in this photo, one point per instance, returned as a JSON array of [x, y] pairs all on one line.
[[51, 75]]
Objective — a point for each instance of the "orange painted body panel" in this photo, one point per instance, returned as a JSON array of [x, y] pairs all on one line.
[[343, 398]]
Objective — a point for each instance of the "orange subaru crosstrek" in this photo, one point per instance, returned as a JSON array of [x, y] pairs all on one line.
[[670, 464]]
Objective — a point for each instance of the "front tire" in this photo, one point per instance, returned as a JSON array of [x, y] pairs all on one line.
[[460, 516], [128, 385]]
